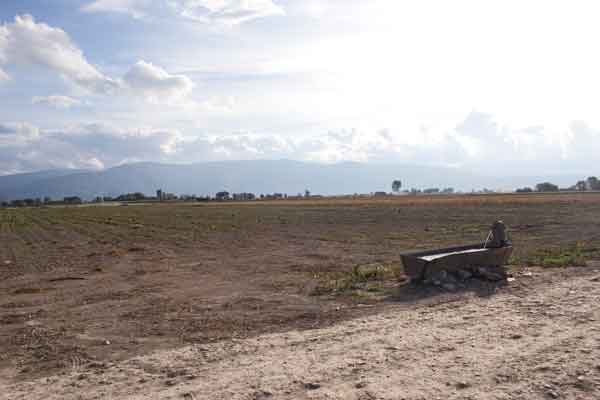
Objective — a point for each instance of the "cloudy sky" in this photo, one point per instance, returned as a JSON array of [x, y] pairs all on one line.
[[491, 86]]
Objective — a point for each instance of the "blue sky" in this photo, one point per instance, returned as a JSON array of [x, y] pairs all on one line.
[[480, 85]]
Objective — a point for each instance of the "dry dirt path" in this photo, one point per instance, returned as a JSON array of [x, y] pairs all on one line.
[[539, 342]]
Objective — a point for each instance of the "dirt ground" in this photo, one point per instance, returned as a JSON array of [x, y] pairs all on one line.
[[538, 338], [214, 300]]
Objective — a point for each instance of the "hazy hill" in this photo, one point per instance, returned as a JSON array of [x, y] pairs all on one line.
[[283, 176]]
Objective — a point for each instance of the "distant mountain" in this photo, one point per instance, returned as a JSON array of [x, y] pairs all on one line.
[[257, 176]]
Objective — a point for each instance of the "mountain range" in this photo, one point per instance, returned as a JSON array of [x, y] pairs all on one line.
[[256, 176]]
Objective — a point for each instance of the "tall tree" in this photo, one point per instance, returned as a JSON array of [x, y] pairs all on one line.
[[396, 185]]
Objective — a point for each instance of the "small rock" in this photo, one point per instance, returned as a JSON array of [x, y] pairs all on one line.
[[451, 287], [595, 279], [107, 342], [516, 336], [189, 396], [462, 385], [262, 394], [464, 274], [7, 262], [311, 386], [552, 394], [360, 385], [170, 382]]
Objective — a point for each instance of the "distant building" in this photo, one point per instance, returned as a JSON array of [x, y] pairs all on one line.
[[159, 195]]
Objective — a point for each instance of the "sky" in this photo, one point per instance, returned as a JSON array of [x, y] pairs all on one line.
[[493, 87]]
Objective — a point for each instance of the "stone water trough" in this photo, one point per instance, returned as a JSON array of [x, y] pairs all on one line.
[[450, 266]]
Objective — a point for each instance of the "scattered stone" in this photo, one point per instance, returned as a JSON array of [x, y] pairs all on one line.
[[107, 342], [311, 386], [511, 279], [516, 336], [360, 385], [451, 287], [7, 262], [189, 396], [492, 273], [552, 394], [462, 385], [262, 394], [595, 279], [170, 382], [464, 274]]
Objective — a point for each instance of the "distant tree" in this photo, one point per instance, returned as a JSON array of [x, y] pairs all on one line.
[[396, 185], [581, 186], [524, 190], [306, 193], [4, 204], [223, 195], [17, 203], [593, 183], [47, 200], [448, 190], [431, 190], [546, 187]]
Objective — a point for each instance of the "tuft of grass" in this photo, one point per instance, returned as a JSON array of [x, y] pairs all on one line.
[[361, 278], [574, 255]]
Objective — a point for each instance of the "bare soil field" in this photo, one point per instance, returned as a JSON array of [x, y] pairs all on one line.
[[302, 299]]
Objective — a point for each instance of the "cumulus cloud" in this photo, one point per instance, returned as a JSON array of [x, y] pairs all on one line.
[[26, 42], [56, 101], [24, 147], [155, 84], [230, 12], [502, 148]]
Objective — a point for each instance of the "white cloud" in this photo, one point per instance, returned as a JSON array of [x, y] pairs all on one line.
[[230, 12], [155, 84], [56, 101], [134, 8], [3, 76], [503, 150], [26, 42], [17, 134]]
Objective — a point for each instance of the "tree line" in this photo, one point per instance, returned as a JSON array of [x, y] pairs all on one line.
[[590, 184]]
